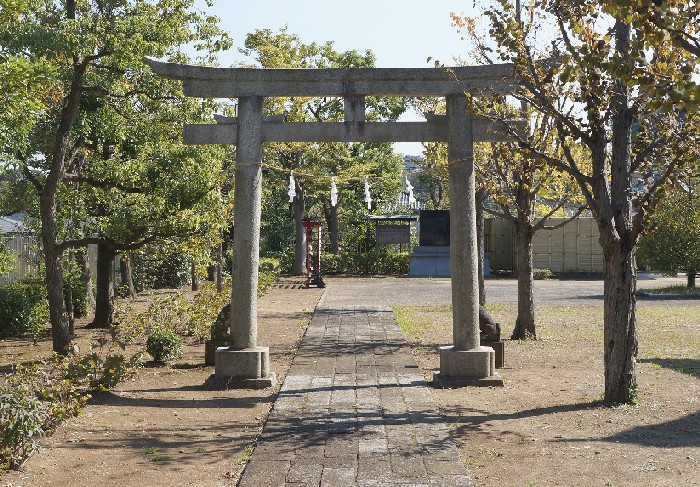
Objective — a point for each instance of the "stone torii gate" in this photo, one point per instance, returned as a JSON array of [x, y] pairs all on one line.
[[245, 363]]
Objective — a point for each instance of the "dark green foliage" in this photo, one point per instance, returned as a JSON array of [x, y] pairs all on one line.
[[23, 308], [671, 243], [286, 260], [170, 273], [364, 263], [164, 345]]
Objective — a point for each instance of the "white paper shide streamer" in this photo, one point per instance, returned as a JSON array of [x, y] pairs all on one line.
[[334, 193], [409, 191], [292, 187], [368, 197]]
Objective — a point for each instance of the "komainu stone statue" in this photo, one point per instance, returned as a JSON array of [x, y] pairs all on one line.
[[490, 330]]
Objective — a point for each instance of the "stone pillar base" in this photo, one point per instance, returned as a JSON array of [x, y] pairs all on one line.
[[464, 368], [246, 369]]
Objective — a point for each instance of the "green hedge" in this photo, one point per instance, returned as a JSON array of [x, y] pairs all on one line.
[[23, 308], [364, 263]]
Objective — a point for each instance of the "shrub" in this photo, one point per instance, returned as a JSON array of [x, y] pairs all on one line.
[[22, 417], [332, 264], [164, 345], [101, 371], [286, 260], [542, 274], [36, 398], [268, 273], [23, 308], [33, 401], [167, 312], [364, 262], [393, 262]]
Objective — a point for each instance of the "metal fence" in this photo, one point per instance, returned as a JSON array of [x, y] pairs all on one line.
[[27, 257]]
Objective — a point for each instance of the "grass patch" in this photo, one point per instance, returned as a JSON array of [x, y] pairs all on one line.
[[665, 332], [245, 456], [676, 289], [414, 321]]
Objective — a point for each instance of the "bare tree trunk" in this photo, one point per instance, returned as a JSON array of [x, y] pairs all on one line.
[[70, 311], [620, 329], [126, 276], [691, 279], [618, 241], [104, 311], [479, 196], [211, 268], [83, 259], [298, 208], [194, 278], [525, 322], [331, 214], [219, 268], [60, 331]]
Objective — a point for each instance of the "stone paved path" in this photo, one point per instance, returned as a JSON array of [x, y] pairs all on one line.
[[354, 410]]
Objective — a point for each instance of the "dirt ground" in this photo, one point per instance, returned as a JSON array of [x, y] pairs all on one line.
[[161, 428], [547, 426]]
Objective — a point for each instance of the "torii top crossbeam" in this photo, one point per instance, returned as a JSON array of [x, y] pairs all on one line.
[[353, 85], [210, 82]]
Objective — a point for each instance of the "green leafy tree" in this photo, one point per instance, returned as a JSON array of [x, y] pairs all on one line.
[[596, 78], [93, 52], [671, 242], [26, 84], [659, 21]]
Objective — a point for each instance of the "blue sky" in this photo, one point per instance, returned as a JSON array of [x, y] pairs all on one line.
[[401, 33]]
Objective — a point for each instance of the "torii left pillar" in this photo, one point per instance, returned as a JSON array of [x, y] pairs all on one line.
[[244, 363], [466, 363]]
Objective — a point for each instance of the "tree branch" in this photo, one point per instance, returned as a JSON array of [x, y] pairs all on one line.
[[112, 244], [542, 226], [104, 184], [33, 180]]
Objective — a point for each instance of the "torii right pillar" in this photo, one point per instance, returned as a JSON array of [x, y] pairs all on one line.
[[466, 363]]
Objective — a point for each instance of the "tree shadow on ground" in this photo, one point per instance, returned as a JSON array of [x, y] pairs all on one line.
[[179, 448], [690, 366], [678, 433], [111, 398], [471, 420]]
